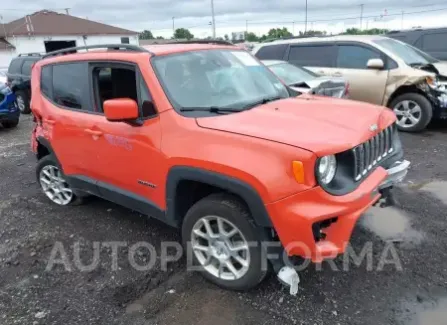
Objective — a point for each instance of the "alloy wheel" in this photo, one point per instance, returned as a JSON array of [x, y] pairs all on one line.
[[408, 113], [220, 247], [21, 103], [54, 185]]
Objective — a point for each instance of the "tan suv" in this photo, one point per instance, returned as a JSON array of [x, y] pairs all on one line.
[[380, 70]]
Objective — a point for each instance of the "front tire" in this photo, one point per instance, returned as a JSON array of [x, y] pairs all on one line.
[[23, 102], [413, 112], [53, 184], [225, 242]]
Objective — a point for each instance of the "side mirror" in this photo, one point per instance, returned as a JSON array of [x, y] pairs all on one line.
[[376, 64], [121, 109]]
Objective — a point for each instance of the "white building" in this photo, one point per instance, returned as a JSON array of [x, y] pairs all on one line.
[[46, 31]]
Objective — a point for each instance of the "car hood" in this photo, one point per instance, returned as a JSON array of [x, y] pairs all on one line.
[[318, 124]]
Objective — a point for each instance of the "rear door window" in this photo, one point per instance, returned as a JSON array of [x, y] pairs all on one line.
[[70, 85], [312, 55], [272, 52], [355, 56]]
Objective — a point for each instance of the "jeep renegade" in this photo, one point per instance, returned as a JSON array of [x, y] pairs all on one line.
[[207, 139]]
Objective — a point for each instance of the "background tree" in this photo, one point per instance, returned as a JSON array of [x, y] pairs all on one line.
[[251, 37], [279, 33], [313, 33], [183, 33], [146, 34], [372, 31], [226, 37], [160, 37]]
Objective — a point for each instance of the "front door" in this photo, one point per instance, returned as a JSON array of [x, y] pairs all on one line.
[[365, 84], [129, 157]]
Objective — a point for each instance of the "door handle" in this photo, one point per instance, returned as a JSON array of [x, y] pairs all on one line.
[[320, 72], [49, 121], [337, 74], [93, 132]]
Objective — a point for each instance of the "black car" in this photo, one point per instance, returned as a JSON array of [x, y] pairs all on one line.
[[19, 79], [432, 40]]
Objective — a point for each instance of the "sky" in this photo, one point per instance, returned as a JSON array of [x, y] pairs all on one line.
[[255, 16]]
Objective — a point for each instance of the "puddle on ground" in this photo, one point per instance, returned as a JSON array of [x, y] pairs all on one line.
[[437, 189], [390, 224], [429, 314]]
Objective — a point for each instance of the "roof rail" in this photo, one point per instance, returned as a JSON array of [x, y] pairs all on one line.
[[30, 54], [199, 41], [111, 47]]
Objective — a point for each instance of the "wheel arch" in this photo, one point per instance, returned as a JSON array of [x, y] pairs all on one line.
[[44, 148], [187, 185], [405, 89]]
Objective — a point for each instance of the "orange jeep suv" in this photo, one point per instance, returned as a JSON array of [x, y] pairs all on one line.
[[204, 137]]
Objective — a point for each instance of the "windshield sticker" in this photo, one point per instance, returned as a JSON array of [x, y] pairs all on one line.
[[246, 58]]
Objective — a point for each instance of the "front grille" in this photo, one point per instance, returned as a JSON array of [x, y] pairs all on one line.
[[369, 154]]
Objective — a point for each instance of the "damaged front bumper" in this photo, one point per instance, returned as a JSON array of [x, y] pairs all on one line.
[[396, 174]]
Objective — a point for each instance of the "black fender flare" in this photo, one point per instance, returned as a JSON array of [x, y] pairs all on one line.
[[230, 184], [44, 142]]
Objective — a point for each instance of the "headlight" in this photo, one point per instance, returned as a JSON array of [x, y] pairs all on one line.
[[432, 82], [326, 169]]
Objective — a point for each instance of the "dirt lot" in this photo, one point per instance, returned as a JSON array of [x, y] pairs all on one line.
[[30, 227]]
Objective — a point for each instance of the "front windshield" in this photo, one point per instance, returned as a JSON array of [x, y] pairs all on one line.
[[408, 54], [291, 74], [216, 78]]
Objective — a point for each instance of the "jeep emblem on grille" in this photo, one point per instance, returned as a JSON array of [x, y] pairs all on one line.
[[373, 127]]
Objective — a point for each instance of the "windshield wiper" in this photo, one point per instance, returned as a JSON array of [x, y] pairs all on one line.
[[211, 109], [263, 101]]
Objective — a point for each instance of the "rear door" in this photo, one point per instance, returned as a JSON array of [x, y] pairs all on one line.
[[67, 114], [365, 84], [317, 57]]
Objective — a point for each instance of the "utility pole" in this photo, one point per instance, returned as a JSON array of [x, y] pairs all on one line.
[[173, 27], [213, 21], [305, 20], [402, 21], [246, 27], [361, 16], [293, 28]]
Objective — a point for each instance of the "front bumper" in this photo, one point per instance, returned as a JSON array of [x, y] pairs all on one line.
[[396, 173], [295, 217]]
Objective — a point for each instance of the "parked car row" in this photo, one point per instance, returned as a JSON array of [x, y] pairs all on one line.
[[379, 70]]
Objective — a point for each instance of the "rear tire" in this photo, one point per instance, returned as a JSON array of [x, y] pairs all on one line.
[[225, 214], [10, 124], [53, 184], [413, 111], [23, 102]]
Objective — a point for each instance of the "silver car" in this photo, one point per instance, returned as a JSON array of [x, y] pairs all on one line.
[[305, 81]]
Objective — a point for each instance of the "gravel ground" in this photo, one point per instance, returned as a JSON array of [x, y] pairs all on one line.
[[31, 229]]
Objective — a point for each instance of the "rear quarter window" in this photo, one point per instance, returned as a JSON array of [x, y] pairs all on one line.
[[272, 52], [15, 66], [26, 67]]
